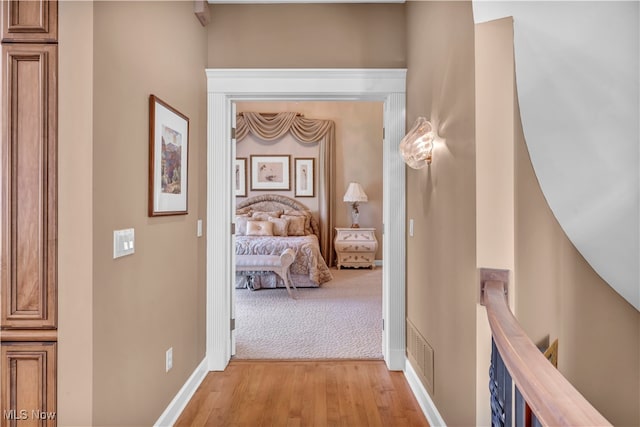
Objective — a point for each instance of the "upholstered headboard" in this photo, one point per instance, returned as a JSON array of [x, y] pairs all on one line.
[[274, 202]]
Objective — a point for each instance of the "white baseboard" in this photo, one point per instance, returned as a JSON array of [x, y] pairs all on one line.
[[422, 396], [179, 402], [395, 359]]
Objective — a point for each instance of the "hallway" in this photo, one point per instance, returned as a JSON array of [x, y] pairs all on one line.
[[304, 393]]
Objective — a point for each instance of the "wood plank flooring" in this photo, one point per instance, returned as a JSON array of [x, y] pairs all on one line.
[[354, 393]]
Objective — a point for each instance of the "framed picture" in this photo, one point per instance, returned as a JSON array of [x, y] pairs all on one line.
[[240, 176], [270, 172], [304, 172], [168, 159]]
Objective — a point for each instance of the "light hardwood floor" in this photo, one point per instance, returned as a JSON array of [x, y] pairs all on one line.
[[354, 393]]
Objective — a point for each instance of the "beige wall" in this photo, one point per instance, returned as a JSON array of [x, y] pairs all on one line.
[[560, 295], [150, 301], [307, 36], [252, 145], [358, 153], [441, 257], [75, 214], [495, 235], [118, 317], [553, 292]]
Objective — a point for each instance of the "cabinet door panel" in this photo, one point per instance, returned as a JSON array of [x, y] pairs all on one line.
[[28, 186], [28, 384], [34, 21]]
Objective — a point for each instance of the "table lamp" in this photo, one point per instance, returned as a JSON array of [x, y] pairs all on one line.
[[355, 195]]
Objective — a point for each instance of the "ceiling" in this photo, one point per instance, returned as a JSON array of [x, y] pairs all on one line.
[[299, 1], [578, 82]]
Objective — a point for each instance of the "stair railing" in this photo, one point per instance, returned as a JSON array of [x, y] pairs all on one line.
[[543, 396]]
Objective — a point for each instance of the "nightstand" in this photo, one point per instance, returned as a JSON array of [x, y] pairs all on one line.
[[355, 247]]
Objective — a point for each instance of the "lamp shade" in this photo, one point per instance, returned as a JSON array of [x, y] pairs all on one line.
[[417, 146], [355, 193]]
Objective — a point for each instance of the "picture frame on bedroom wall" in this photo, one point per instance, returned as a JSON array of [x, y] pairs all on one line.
[[269, 173], [168, 159], [240, 176], [304, 177]]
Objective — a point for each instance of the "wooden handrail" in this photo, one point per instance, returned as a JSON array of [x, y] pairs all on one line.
[[551, 397]]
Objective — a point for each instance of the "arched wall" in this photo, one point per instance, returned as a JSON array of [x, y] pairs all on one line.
[[578, 89]]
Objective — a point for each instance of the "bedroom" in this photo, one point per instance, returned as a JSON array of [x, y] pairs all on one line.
[[357, 158]]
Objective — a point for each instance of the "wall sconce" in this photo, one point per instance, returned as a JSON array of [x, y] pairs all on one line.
[[416, 147], [354, 195]]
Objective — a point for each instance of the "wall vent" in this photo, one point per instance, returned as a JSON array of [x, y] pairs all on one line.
[[421, 356]]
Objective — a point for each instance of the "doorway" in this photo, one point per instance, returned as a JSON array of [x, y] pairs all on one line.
[[226, 86], [336, 314]]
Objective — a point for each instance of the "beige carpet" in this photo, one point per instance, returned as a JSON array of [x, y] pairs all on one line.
[[340, 320]]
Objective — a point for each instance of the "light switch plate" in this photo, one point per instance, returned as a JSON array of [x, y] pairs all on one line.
[[199, 228], [123, 242], [168, 359], [411, 227]]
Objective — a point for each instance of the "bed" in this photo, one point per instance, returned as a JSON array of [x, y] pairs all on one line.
[[269, 224]]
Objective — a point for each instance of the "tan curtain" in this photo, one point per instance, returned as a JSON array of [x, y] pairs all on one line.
[[271, 126]]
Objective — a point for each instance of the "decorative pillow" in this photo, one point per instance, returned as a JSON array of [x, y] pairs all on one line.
[[296, 225], [241, 225], [244, 211], [264, 216], [259, 228], [307, 219], [280, 226]]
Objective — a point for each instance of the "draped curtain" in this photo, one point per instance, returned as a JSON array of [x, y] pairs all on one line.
[[271, 126]]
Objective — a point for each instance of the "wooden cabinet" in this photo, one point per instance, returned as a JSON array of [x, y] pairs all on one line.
[[28, 384], [34, 21], [28, 186], [355, 247], [28, 213]]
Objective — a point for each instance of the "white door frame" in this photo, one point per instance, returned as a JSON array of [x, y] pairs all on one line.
[[225, 86]]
